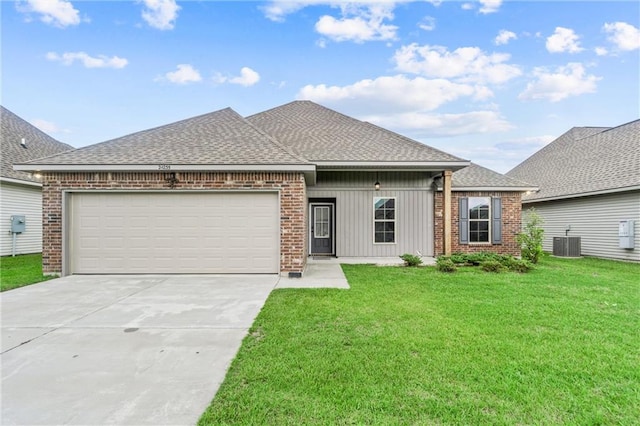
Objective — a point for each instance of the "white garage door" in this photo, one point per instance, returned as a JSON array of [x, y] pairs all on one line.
[[123, 233]]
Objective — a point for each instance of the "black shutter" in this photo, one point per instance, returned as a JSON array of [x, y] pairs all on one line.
[[496, 220], [463, 220]]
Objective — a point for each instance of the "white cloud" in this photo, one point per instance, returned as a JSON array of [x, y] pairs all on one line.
[[532, 143], [420, 124], [160, 14], [392, 93], [490, 6], [601, 51], [100, 61], [276, 10], [359, 23], [624, 36], [467, 6], [504, 37], [247, 77], [465, 64], [183, 75], [564, 40], [59, 13], [48, 126], [566, 81], [428, 23]]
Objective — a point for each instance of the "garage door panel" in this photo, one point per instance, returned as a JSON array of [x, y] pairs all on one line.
[[174, 233]]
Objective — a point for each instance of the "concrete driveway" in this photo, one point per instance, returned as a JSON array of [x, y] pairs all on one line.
[[127, 350]]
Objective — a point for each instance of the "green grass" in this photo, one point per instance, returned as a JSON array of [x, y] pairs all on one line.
[[20, 271], [412, 346]]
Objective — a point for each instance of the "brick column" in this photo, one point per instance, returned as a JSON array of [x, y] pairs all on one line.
[[446, 191]]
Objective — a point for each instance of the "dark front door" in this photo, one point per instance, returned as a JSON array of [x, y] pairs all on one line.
[[322, 229]]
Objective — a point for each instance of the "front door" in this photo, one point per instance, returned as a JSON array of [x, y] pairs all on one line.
[[322, 229]]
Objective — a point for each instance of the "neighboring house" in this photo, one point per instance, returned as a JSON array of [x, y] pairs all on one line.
[[589, 181], [220, 193], [21, 192]]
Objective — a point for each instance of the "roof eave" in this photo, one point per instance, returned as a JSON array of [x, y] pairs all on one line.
[[20, 182], [494, 188], [309, 170], [582, 194], [391, 165]]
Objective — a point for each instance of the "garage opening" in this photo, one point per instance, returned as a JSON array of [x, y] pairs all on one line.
[[173, 233]]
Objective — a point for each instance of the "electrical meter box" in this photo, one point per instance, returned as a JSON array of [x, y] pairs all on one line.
[[626, 234], [18, 224]]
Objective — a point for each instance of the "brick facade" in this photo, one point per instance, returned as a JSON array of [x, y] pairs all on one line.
[[291, 188], [511, 220]]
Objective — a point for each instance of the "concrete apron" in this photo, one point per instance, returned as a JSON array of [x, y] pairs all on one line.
[[122, 349]]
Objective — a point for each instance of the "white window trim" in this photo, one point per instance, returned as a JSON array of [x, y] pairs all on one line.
[[479, 243], [395, 222]]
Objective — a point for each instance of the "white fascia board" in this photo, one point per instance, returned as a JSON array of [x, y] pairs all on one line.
[[391, 165], [583, 194], [494, 188], [20, 182], [164, 167]]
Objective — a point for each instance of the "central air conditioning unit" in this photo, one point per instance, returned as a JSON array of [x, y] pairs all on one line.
[[566, 246]]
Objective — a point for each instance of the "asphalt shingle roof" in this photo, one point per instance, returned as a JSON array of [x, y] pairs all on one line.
[[321, 134], [38, 144], [476, 176], [218, 138], [584, 160]]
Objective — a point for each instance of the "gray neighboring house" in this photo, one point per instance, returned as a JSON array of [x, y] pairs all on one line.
[[21, 192], [220, 193], [589, 181]]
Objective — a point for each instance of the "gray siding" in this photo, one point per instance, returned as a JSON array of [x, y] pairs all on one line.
[[20, 200], [354, 194], [595, 219]]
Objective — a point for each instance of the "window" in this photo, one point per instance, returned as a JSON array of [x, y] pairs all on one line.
[[480, 220], [321, 222], [384, 220]]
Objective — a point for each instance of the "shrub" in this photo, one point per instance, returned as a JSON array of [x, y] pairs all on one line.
[[445, 264], [411, 259], [492, 266], [520, 265], [459, 258], [530, 239]]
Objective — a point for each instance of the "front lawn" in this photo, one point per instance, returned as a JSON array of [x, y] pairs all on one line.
[[559, 345], [20, 271]]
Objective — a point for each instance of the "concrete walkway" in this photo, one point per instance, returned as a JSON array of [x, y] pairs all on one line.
[[326, 272]]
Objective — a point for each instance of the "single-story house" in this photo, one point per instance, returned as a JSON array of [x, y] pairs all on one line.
[[220, 193], [589, 182], [20, 191]]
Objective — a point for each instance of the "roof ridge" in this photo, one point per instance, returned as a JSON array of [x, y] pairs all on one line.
[[275, 141]]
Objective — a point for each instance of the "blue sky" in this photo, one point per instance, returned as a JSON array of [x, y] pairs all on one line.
[[491, 81]]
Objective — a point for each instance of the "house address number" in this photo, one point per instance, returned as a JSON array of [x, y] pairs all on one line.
[[164, 167]]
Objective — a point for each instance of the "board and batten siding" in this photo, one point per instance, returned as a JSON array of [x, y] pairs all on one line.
[[354, 194], [595, 219], [23, 200]]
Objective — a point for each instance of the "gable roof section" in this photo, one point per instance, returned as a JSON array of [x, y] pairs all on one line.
[[37, 144], [329, 138], [584, 161], [478, 178], [220, 140]]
